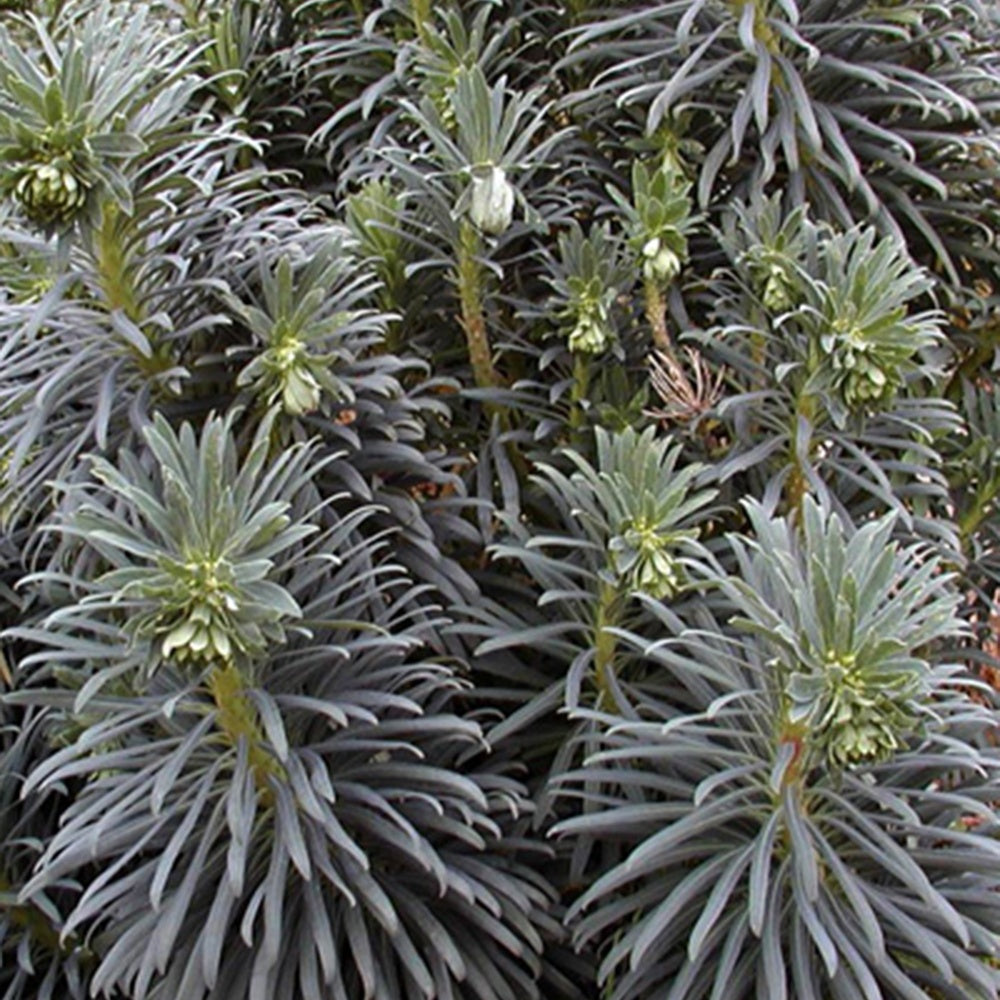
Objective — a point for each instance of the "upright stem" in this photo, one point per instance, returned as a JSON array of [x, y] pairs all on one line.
[[391, 299], [471, 282], [605, 644], [656, 315], [113, 266], [471, 278], [116, 277], [422, 10], [237, 718], [797, 484], [581, 383]]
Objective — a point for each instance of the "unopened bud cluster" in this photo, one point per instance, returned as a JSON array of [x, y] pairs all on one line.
[[51, 193], [658, 219], [590, 313], [773, 274], [592, 333], [299, 389], [200, 631], [776, 295], [286, 372], [861, 372], [643, 556], [660, 263], [854, 712], [491, 199], [442, 93]]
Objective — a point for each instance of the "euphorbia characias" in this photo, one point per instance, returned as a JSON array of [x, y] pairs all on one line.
[[491, 199], [192, 569], [473, 533]]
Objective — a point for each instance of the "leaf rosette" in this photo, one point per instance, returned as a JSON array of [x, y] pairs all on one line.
[[796, 832]]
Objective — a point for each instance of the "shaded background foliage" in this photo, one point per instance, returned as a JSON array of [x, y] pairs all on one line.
[[499, 499]]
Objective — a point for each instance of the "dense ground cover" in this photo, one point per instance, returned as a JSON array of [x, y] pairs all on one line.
[[499, 500]]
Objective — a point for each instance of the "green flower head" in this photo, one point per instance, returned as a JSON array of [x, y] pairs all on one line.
[[845, 618], [51, 192], [645, 554], [193, 554], [865, 340]]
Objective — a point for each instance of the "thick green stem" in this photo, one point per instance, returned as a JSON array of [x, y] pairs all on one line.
[[605, 644], [422, 11], [470, 291], [391, 301], [237, 718], [762, 30], [797, 483], [113, 267], [656, 316], [688, 398], [578, 394], [471, 282], [116, 276]]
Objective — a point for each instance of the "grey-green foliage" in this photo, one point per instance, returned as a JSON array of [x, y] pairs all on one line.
[[122, 298], [844, 304], [246, 696], [369, 629], [295, 793], [190, 562], [848, 622], [38, 962], [623, 538], [816, 823], [629, 527], [309, 330], [826, 335], [856, 108], [657, 219], [69, 120], [587, 278], [474, 156]]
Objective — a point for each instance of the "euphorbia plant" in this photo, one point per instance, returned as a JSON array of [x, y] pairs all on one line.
[[66, 125], [258, 717], [815, 820], [314, 684], [466, 183]]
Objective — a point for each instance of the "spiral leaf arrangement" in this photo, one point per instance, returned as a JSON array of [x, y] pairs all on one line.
[[476, 533]]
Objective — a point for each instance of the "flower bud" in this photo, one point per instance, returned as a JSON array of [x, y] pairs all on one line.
[[592, 332], [286, 370], [661, 263], [656, 573], [776, 297], [491, 204], [301, 392], [589, 336], [854, 711], [50, 193], [865, 375], [643, 557]]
